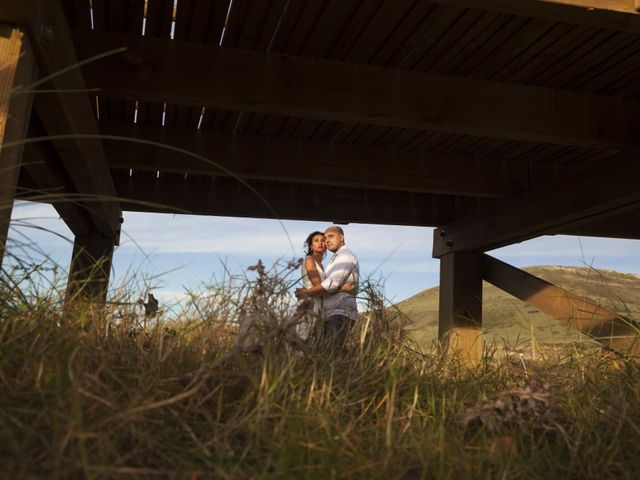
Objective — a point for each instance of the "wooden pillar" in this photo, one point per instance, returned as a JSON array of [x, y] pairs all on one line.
[[17, 70], [460, 322], [90, 269]]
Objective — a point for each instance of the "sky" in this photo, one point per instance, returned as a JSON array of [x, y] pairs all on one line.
[[179, 252]]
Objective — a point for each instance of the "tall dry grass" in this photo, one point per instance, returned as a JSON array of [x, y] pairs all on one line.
[[109, 393]]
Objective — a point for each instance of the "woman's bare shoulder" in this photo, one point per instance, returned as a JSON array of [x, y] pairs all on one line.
[[309, 263]]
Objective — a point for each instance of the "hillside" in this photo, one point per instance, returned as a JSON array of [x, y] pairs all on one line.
[[507, 319]]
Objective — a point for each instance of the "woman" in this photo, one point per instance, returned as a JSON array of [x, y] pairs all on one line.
[[312, 275]]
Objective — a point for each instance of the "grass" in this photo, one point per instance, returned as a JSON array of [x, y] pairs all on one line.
[[100, 393]]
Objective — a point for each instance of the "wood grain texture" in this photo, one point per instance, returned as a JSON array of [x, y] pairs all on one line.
[[17, 70]]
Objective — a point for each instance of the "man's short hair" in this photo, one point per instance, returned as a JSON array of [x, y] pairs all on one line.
[[336, 227]]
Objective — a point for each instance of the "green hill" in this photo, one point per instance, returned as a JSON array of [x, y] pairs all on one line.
[[507, 319]]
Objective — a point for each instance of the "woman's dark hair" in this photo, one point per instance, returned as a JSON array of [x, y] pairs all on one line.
[[308, 241]]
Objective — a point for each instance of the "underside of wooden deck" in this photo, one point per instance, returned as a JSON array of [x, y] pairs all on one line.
[[494, 121]]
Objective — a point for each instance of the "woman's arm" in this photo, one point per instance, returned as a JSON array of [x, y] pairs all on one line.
[[312, 271]]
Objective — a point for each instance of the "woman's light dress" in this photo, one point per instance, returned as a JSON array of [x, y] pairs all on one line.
[[305, 327]]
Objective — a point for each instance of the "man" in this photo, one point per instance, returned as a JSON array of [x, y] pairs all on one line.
[[340, 307]]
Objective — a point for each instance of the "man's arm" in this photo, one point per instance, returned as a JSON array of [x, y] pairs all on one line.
[[310, 292], [334, 281], [339, 275]]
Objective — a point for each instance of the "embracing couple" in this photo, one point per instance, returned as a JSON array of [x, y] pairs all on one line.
[[332, 289]]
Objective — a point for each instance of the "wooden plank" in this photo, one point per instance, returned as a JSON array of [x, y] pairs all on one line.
[[621, 15], [360, 17], [255, 23], [383, 25], [607, 189], [418, 21], [555, 75], [545, 50], [271, 24], [235, 18], [77, 13], [509, 38], [601, 58], [287, 14], [521, 50], [609, 328], [437, 23], [227, 197], [67, 114], [17, 70], [249, 81], [460, 311], [487, 27], [331, 24], [446, 42], [118, 15], [159, 18], [269, 158], [200, 20]]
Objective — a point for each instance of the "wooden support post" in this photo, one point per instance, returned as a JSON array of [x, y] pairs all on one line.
[[90, 269], [609, 328], [460, 324], [17, 70]]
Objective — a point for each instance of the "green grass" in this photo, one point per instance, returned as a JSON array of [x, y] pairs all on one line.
[[507, 320], [89, 393]]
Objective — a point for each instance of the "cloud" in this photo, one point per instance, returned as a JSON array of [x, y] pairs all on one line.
[[183, 233], [197, 246]]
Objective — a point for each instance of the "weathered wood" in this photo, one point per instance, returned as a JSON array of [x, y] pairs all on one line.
[[271, 158], [64, 113], [460, 314], [621, 15], [227, 197], [199, 75], [90, 269], [609, 328], [50, 184], [17, 70], [608, 189]]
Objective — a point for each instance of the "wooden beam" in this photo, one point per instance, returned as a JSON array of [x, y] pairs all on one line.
[[51, 184], [608, 189], [273, 158], [619, 15], [64, 113], [227, 197], [182, 73], [90, 269], [460, 312], [609, 328], [625, 225], [17, 69]]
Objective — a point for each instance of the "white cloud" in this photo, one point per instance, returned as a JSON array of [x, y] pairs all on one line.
[[183, 233], [198, 245]]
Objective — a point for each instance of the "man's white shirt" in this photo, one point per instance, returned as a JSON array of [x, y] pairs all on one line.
[[343, 268]]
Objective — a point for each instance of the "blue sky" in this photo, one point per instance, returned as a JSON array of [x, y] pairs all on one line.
[[186, 251]]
